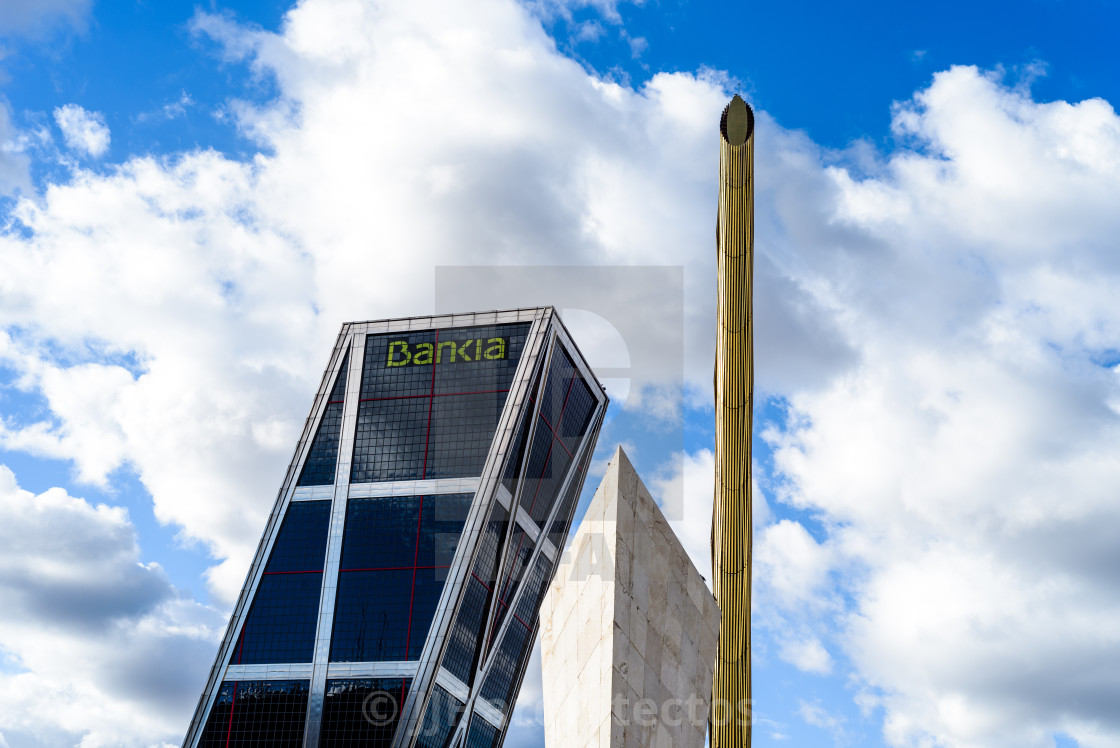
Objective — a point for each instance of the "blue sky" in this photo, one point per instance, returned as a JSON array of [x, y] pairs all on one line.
[[196, 195]]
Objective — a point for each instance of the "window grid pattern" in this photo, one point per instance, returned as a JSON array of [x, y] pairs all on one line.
[[566, 408], [461, 659], [257, 713], [549, 458], [281, 623], [558, 528], [362, 712], [481, 734], [505, 671], [517, 453], [517, 449], [322, 458], [548, 463], [418, 419], [440, 719], [389, 589], [533, 594], [517, 558], [301, 544]]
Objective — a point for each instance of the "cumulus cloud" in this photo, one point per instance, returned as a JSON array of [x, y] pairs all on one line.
[[564, 8], [36, 16], [940, 321], [790, 562], [683, 488], [83, 130], [808, 655], [963, 460], [817, 716], [14, 163], [101, 647], [221, 283]]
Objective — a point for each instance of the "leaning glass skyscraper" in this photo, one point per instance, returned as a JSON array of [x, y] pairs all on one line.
[[393, 598]]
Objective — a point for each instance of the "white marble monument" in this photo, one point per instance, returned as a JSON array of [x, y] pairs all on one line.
[[628, 629]]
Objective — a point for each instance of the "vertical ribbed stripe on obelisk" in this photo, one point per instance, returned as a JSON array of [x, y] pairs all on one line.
[[730, 722]]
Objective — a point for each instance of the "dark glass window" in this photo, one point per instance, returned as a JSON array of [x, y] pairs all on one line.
[[566, 408], [516, 456], [548, 464], [577, 415], [257, 713], [395, 555], [481, 734], [319, 468], [362, 713], [517, 558], [462, 429], [441, 524], [501, 682], [535, 587], [381, 533], [516, 453], [462, 647], [281, 623], [301, 544], [440, 719], [431, 400], [390, 440], [510, 658], [558, 529], [371, 616], [561, 374]]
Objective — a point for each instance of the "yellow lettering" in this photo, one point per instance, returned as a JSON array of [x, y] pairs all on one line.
[[423, 355], [394, 349], [439, 353], [478, 350], [496, 348], [464, 351]]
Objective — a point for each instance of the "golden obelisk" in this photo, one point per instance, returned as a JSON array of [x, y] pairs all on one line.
[[734, 384]]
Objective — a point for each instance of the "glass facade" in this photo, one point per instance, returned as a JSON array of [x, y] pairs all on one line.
[[319, 468], [362, 712], [430, 401], [394, 598], [257, 713], [281, 623], [388, 590], [482, 734]]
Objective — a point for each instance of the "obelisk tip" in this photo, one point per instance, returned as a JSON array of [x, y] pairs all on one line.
[[737, 122]]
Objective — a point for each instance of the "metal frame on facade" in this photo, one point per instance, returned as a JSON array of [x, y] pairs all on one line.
[[545, 335]]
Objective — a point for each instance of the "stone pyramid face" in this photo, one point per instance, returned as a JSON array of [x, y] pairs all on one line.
[[628, 628], [393, 598]]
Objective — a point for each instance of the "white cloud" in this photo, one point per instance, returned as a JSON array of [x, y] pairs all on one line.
[[83, 130], [936, 319], [104, 649], [37, 16], [226, 281], [817, 716], [808, 655], [564, 8], [962, 464], [790, 562], [684, 494], [684, 488], [14, 163]]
